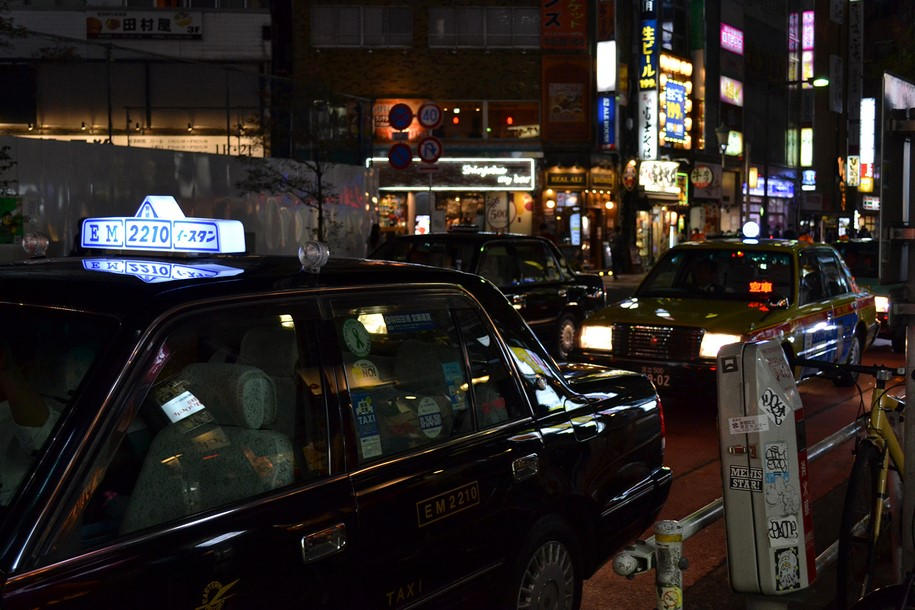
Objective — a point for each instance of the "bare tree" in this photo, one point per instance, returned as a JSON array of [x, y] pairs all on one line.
[[319, 133]]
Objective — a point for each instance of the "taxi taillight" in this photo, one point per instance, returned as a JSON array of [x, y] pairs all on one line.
[[663, 426]]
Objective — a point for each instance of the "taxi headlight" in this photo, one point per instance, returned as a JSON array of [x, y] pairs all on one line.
[[882, 303], [712, 342], [596, 337]]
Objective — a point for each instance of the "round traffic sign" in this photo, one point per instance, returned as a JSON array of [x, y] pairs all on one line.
[[400, 116], [430, 115], [430, 149], [400, 155]]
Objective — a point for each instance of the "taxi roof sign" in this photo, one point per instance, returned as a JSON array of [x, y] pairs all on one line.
[[160, 226]]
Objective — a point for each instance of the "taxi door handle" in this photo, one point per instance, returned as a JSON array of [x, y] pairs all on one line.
[[323, 543], [526, 467]]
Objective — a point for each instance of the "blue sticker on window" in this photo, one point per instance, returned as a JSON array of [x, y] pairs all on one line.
[[366, 424], [408, 322], [454, 379]]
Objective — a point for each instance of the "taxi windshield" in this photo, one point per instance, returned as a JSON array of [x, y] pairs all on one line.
[[45, 355], [738, 274]]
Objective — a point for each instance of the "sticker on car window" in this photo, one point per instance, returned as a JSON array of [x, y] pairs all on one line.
[[364, 374], [366, 425], [454, 379], [357, 339], [430, 417], [181, 406], [409, 322]]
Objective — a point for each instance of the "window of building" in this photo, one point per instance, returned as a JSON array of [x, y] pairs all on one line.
[[462, 119], [361, 26], [513, 120], [474, 26]]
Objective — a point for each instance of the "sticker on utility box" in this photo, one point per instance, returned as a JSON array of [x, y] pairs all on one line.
[[745, 479], [783, 531], [774, 407], [749, 424]]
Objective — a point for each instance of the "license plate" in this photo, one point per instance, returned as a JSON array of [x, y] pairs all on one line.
[[657, 376]]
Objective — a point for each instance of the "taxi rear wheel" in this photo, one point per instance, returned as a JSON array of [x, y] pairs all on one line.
[[566, 333], [547, 571], [854, 357]]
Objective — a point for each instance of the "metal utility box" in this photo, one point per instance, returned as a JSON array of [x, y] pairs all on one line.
[[764, 471]]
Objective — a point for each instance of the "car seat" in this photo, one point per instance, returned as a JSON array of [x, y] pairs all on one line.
[[215, 456]]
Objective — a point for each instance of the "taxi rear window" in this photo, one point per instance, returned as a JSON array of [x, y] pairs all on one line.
[[45, 355], [739, 274]]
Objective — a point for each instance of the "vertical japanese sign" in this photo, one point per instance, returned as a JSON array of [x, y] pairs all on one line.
[[855, 71], [606, 121], [563, 24], [648, 124], [648, 90]]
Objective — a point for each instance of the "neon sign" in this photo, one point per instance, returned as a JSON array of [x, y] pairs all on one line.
[[731, 39], [159, 225], [648, 61], [731, 91]]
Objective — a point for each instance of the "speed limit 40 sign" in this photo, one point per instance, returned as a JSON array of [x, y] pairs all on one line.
[[430, 115]]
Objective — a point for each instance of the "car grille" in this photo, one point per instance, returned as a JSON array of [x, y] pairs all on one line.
[[658, 342]]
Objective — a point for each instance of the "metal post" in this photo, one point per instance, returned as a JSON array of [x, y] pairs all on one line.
[[668, 537], [908, 500], [745, 193], [108, 88]]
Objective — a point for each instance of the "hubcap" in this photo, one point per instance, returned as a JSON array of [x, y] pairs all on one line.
[[566, 337], [548, 582], [854, 357]]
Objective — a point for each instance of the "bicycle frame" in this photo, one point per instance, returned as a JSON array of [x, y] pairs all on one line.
[[880, 432]]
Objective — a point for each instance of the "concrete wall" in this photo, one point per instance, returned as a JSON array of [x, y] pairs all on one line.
[[61, 182]]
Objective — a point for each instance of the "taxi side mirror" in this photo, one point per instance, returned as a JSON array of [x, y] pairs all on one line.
[[777, 301]]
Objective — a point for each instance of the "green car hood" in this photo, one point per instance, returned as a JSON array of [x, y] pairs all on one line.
[[714, 315]]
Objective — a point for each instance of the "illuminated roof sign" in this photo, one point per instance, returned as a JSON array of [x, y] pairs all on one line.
[[160, 226]]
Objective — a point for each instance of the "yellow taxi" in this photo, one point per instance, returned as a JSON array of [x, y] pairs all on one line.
[[702, 295]]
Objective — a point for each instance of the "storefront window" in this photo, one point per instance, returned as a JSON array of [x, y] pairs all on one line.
[[464, 209], [462, 119], [392, 213], [513, 120]]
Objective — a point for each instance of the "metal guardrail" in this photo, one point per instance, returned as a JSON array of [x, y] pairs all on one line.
[[663, 551]]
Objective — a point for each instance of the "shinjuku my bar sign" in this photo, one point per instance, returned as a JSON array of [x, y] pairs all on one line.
[[457, 174]]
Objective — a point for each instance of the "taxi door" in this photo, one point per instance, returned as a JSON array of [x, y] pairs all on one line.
[[845, 304], [817, 335], [437, 496], [115, 539]]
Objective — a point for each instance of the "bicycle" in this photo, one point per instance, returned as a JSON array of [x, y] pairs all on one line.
[[864, 535]]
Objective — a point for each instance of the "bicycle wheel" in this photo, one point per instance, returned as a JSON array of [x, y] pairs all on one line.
[[864, 560]]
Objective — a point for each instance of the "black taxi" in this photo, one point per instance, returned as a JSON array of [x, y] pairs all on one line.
[[531, 271], [237, 431]]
